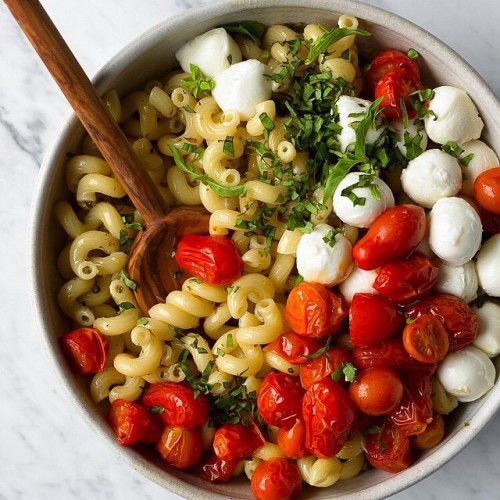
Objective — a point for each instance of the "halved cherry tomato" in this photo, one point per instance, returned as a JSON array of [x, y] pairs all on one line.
[[387, 61], [388, 448], [487, 190], [329, 417], [320, 367], [313, 310], [276, 479], [214, 259], [177, 405], [180, 448], [432, 436], [405, 280], [233, 441], [216, 470], [292, 441], [425, 339], [394, 88], [129, 421], [377, 391], [372, 319], [394, 234], [85, 350], [459, 320], [280, 400], [293, 347]]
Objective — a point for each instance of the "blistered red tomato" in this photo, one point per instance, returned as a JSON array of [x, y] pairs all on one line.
[[394, 234], [318, 368], [216, 470], [405, 280], [276, 479], [293, 347], [459, 320], [425, 339], [329, 417], [313, 310], [85, 350], [177, 405], [180, 448], [214, 259], [235, 441], [487, 190], [280, 400], [292, 442], [372, 319]]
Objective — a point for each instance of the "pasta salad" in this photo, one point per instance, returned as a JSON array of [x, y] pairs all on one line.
[[343, 296]]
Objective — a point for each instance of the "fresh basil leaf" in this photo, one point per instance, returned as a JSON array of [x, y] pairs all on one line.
[[251, 29]]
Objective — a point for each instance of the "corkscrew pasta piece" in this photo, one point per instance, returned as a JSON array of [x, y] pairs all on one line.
[[103, 382], [320, 472]]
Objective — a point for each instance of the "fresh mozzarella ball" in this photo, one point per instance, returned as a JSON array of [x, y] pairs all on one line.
[[359, 281], [456, 117], [415, 135], [361, 215], [488, 339], [488, 266], [213, 52], [460, 281], [468, 374], [347, 106], [454, 231], [241, 87], [319, 262], [484, 158], [432, 175]]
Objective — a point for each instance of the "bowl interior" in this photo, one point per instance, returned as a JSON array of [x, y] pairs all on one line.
[[149, 58]]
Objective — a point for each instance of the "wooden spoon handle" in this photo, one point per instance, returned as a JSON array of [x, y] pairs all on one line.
[[87, 104]]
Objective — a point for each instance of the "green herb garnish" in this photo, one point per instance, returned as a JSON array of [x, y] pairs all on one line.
[[197, 82]]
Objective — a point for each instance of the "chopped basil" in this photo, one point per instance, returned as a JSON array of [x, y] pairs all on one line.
[[157, 409], [251, 29], [124, 306], [197, 82], [228, 147], [127, 281], [220, 352], [229, 341], [330, 236], [142, 321], [413, 54], [345, 371]]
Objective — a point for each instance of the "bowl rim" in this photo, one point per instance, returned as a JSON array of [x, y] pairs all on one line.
[[117, 64]]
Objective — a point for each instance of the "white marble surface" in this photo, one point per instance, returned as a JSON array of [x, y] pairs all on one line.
[[46, 450]]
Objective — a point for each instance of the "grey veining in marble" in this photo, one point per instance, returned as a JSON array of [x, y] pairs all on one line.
[[46, 450]]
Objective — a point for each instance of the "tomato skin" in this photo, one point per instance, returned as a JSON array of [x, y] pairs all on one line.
[[329, 417], [214, 259], [459, 320], [313, 310], [235, 441], [405, 280], [292, 441], [180, 448], [293, 347], [85, 349], [181, 409], [377, 391], [394, 234], [129, 421], [487, 190], [318, 368], [276, 479], [216, 470], [432, 436], [373, 319], [390, 450], [280, 400], [426, 339]]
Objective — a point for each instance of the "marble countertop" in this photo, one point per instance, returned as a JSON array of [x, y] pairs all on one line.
[[46, 449]]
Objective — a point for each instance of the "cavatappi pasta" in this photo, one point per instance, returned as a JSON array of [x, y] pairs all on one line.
[[269, 182]]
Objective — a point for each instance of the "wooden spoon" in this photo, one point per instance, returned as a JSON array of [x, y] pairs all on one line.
[[151, 265]]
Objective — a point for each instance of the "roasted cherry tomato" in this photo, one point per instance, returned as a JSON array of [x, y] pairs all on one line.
[[388, 448], [280, 400], [177, 405], [292, 441], [459, 320], [394, 234], [390, 354], [432, 436], [405, 280], [425, 339], [214, 259], [235, 441], [293, 347], [372, 319], [329, 418], [85, 350], [216, 470], [377, 391], [276, 479], [180, 448], [487, 190], [389, 61], [318, 368], [313, 310]]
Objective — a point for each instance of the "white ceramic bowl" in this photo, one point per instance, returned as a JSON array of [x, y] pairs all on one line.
[[149, 57]]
